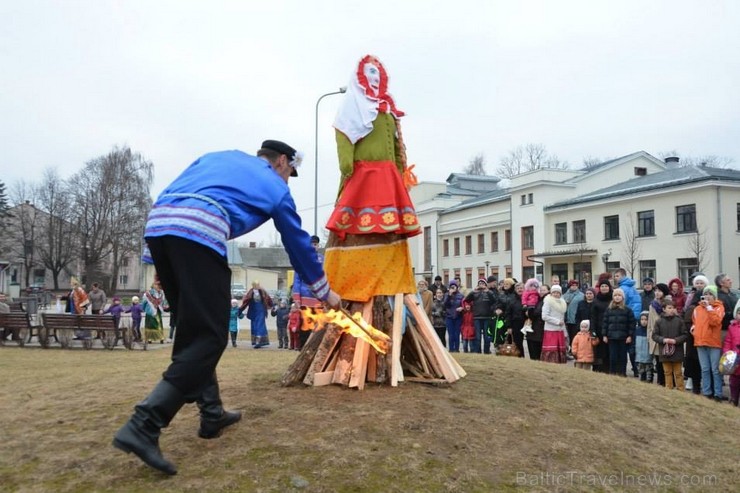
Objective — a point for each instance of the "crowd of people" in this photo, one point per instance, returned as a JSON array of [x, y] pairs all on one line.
[[664, 333]]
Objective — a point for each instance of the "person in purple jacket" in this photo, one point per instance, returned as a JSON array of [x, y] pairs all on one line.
[[222, 195], [135, 310]]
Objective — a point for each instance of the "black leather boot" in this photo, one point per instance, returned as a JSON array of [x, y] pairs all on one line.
[[213, 418], [140, 434]]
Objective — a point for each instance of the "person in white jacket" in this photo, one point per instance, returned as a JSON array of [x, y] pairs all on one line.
[[554, 346]]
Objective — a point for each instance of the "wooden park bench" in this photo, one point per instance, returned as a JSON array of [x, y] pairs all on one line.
[[65, 326], [17, 324]]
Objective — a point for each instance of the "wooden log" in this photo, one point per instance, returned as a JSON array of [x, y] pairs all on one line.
[[382, 320], [343, 371], [396, 371], [362, 352], [323, 352], [435, 366], [297, 371], [322, 378], [447, 365], [413, 334], [431, 381]]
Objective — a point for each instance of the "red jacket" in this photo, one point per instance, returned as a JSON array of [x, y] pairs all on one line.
[[295, 320], [732, 341]]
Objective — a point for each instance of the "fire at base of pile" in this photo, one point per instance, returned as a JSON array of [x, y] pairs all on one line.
[[369, 346]]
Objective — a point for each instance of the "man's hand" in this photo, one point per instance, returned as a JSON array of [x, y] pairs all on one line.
[[333, 300]]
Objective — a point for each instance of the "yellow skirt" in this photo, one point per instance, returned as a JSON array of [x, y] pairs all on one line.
[[364, 266]]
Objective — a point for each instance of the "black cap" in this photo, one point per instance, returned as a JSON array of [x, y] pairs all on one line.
[[438, 278], [315, 239], [282, 148], [648, 280], [491, 278]]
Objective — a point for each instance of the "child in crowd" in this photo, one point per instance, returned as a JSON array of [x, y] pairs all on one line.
[[234, 317], [468, 327], [135, 310], [618, 331], [642, 350], [655, 310], [670, 334], [531, 294], [438, 316], [732, 343], [281, 314], [115, 309], [295, 320], [583, 346]]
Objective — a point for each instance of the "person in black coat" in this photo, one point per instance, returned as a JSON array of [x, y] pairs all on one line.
[[515, 316], [534, 338], [601, 303], [484, 303], [618, 330]]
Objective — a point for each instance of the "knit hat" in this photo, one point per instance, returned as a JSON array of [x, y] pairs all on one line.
[[234, 302], [663, 288], [700, 278], [587, 323], [648, 280], [135, 299], [644, 313], [482, 280], [453, 283], [116, 298], [492, 279], [711, 290], [557, 288], [605, 281]]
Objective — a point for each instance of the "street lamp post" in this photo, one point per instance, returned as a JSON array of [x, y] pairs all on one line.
[[341, 90]]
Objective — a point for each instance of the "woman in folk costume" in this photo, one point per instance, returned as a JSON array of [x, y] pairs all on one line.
[[367, 253], [153, 305], [77, 299], [258, 304], [553, 313]]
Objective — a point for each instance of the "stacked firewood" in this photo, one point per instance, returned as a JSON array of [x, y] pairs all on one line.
[[367, 343]]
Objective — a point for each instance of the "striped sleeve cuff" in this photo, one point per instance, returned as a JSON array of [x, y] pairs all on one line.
[[320, 288]]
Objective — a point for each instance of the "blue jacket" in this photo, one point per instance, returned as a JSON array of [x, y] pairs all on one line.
[[631, 296], [233, 319], [224, 195]]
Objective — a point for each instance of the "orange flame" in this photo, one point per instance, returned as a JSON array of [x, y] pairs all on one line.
[[353, 325]]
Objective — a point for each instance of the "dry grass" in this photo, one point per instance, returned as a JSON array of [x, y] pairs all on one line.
[[504, 427]]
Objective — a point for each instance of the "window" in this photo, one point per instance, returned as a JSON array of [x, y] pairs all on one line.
[[469, 277], [494, 241], [494, 272], [640, 171], [446, 276], [647, 269], [646, 224], [468, 245], [579, 231], [738, 216], [528, 237], [482, 273], [686, 267], [445, 248], [527, 198], [481, 243], [507, 240], [560, 270], [524, 199], [123, 280], [561, 233], [508, 271], [686, 218], [611, 227], [456, 247], [124, 262], [530, 197], [39, 276]]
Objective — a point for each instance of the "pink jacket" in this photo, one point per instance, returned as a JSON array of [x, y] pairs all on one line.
[[732, 341]]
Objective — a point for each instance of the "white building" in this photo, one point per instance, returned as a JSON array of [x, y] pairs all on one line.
[[651, 217]]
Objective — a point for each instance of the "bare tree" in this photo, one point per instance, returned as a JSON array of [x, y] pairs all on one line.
[[698, 247], [476, 166], [631, 246], [57, 243], [111, 202], [23, 229], [711, 160], [528, 158]]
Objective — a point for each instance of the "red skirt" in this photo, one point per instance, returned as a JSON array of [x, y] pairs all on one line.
[[554, 347], [374, 200]]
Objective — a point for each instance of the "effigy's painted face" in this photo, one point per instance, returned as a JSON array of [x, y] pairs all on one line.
[[372, 74]]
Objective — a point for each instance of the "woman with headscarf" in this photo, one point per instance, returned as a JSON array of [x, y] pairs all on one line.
[[153, 305], [258, 304], [374, 214]]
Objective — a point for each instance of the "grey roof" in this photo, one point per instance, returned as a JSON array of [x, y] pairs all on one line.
[[266, 258], [484, 198], [669, 178]]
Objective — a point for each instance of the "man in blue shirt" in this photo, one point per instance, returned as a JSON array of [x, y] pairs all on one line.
[[220, 196]]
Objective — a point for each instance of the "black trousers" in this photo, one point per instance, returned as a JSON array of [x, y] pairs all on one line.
[[196, 282]]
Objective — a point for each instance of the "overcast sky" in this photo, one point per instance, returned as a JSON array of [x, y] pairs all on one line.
[[176, 79]]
